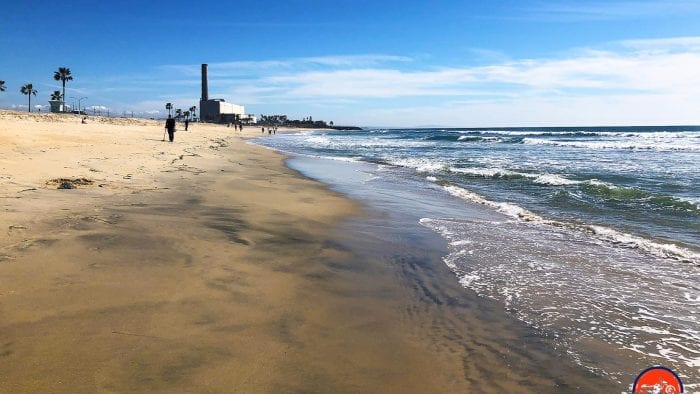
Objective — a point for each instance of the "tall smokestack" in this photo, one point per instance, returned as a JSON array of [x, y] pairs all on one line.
[[205, 83]]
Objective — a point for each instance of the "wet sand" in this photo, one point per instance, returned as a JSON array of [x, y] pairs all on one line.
[[207, 265]]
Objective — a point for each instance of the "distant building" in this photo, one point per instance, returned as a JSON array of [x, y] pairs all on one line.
[[249, 119], [56, 105], [217, 110]]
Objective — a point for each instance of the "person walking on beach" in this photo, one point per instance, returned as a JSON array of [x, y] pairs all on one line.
[[187, 124], [170, 126]]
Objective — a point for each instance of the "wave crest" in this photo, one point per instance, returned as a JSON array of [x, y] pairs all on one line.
[[603, 233]]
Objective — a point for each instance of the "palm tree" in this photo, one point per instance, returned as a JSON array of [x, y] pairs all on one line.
[[178, 113], [193, 110], [187, 114], [56, 95], [2, 86], [28, 89], [63, 75], [169, 106]]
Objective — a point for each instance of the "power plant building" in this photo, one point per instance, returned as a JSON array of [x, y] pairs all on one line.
[[217, 110]]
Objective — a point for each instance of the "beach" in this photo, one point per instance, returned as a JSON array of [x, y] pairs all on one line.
[[207, 265]]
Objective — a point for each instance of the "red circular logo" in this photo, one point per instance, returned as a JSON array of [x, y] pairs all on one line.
[[657, 380]]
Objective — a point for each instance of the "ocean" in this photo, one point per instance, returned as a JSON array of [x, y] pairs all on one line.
[[589, 234]]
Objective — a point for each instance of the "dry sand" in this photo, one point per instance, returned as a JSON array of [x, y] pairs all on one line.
[[206, 265]]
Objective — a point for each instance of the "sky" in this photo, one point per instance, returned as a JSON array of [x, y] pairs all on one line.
[[368, 63]]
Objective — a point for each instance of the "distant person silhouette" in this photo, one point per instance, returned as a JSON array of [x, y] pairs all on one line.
[[187, 124], [170, 126]]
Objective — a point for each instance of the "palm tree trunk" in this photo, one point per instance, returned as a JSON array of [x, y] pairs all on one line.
[[30, 102], [64, 95]]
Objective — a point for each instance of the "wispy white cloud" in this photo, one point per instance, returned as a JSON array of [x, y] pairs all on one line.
[[237, 68], [97, 107], [609, 10], [665, 109], [634, 81], [597, 73], [664, 45]]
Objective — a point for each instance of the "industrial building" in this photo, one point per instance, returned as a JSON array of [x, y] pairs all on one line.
[[217, 110]]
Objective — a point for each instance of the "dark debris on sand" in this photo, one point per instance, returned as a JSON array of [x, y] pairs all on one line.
[[67, 183]]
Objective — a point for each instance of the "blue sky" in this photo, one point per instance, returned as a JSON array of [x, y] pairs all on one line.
[[389, 63]]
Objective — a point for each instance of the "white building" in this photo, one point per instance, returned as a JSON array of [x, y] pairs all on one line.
[[217, 110]]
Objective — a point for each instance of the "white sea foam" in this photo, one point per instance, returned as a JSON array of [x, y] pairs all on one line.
[[355, 159], [485, 172], [600, 183], [656, 248], [694, 201], [643, 144], [483, 138], [508, 209], [563, 281], [529, 132], [554, 180], [609, 134], [353, 143], [419, 164], [318, 140], [607, 234], [540, 179]]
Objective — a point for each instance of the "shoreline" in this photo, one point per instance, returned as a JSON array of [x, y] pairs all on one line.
[[209, 265], [497, 351], [592, 289]]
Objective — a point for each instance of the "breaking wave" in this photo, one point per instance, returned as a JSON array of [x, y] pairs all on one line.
[[616, 237]]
